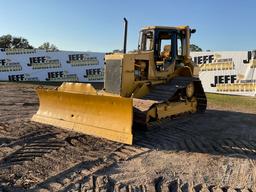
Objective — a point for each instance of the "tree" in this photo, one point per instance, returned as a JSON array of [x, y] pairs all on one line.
[[19, 42], [48, 46], [195, 48], [6, 41], [9, 41], [117, 51]]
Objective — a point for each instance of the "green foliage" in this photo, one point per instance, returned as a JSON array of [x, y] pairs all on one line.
[[195, 48], [9, 41], [48, 46]]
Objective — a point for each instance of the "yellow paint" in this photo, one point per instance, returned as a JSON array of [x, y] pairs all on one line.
[[174, 108], [216, 66], [236, 87], [83, 88], [253, 63], [81, 108], [97, 115]]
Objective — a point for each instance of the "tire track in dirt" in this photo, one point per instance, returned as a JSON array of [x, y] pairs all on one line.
[[105, 183], [181, 137], [29, 145], [73, 178], [41, 144], [177, 134], [33, 145]]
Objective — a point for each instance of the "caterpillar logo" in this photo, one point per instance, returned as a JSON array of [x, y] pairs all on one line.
[[43, 63], [77, 60]]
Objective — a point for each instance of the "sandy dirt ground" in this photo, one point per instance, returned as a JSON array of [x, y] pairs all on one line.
[[215, 151]]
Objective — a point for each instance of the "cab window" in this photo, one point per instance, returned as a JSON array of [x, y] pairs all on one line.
[[165, 44], [146, 41]]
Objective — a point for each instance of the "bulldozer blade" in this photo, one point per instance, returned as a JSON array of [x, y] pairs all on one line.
[[109, 117]]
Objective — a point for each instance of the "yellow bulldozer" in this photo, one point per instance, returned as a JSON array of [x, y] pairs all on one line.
[[157, 81]]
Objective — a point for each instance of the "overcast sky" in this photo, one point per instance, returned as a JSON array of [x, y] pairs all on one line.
[[97, 25]]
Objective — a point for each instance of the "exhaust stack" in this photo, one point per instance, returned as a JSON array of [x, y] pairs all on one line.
[[125, 34]]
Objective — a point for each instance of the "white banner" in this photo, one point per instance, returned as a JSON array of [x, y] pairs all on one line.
[[226, 72], [42, 65]]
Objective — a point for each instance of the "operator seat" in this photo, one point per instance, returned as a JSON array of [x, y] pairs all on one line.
[[166, 52]]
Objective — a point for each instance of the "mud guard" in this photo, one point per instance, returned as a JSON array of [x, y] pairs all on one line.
[[103, 116]]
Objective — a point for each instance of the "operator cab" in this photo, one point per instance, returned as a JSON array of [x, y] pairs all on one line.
[[167, 43]]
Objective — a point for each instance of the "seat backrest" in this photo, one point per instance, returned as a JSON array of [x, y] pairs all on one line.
[[166, 52]]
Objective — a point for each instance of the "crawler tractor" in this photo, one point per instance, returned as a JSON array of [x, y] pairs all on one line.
[[157, 81]]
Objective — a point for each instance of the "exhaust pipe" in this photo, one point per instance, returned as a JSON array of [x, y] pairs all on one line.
[[125, 34]]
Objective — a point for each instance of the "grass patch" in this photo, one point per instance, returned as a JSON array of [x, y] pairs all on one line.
[[232, 101]]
